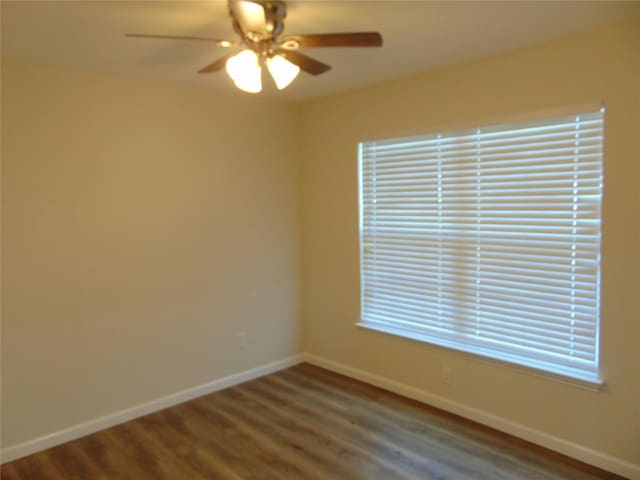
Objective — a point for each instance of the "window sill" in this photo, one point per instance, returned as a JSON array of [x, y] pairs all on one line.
[[587, 383]]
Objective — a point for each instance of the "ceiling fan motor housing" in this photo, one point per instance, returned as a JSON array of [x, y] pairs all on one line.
[[274, 14]]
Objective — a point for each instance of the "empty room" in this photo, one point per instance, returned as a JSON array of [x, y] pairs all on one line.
[[320, 240]]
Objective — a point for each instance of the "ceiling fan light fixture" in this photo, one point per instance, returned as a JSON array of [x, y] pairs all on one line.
[[245, 71], [282, 71], [259, 24]]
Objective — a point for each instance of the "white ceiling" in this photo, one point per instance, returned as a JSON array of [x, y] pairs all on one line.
[[418, 36]]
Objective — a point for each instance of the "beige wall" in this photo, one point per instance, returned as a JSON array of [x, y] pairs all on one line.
[[143, 226], [602, 65]]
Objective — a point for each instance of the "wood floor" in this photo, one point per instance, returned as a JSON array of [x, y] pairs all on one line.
[[301, 423]]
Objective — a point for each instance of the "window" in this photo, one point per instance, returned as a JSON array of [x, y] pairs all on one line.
[[488, 241]]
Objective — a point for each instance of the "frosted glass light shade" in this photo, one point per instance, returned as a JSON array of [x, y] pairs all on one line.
[[282, 71], [245, 71]]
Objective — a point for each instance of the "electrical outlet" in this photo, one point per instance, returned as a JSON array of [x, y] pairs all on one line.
[[445, 375], [242, 339]]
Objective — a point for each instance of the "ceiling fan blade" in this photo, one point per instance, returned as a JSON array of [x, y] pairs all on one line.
[[347, 39], [306, 64], [215, 66], [222, 43], [250, 16]]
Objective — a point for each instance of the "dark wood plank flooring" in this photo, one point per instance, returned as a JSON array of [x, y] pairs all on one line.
[[300, 423]]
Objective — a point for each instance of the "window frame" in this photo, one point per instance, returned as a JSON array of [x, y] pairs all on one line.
[[568, 376]]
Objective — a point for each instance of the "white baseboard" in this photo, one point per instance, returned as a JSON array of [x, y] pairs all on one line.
[[579, 452], [574, 450], [80, 430]]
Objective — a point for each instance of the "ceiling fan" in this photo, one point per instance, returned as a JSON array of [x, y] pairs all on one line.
[[259, 24]]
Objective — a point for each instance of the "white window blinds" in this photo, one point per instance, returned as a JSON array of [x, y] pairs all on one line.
[[488, 241]]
